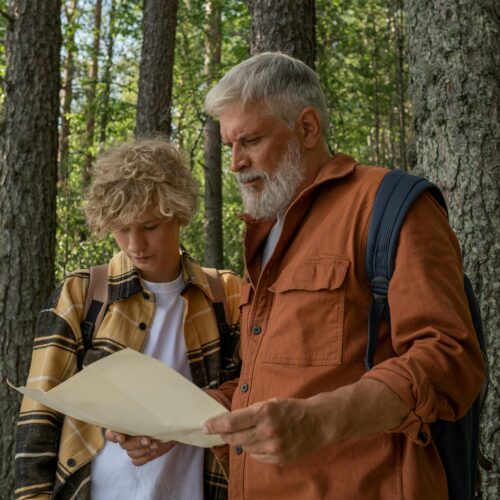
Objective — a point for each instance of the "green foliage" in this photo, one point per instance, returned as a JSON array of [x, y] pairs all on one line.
[[190, 88], [357, 59], [76, 247]]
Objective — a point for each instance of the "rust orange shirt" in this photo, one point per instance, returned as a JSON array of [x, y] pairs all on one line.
[[304, 331]]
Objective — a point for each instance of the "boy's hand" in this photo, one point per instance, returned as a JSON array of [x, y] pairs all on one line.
[[140, 449]]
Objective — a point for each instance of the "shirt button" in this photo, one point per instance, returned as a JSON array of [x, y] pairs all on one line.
[[238, 449], [71, 462], [256, 330], [244, 388], [142, 326]]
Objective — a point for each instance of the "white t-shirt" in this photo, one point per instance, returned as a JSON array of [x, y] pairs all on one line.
[[272, 240], [177, 475]]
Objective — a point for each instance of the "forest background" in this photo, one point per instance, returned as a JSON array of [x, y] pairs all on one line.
[[409, 85]]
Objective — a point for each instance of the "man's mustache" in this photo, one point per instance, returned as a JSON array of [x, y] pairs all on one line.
[[250, 175]]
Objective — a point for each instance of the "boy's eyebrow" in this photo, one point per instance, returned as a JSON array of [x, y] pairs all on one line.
[[149, 221]]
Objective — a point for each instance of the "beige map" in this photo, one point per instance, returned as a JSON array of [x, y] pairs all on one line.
[[135, 394]]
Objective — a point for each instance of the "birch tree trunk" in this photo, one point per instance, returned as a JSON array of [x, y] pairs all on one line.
[[454, 49], [157, 63], [28, 175], [281, 25], [212, 164]]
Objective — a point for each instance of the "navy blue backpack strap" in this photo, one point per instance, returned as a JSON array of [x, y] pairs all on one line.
[[396, 194]]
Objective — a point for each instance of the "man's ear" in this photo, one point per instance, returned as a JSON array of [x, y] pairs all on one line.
[[309, 125]]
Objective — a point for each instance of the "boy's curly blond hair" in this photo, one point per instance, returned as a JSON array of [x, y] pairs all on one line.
[[135, 176]]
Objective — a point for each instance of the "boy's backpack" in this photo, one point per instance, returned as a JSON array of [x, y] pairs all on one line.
[[96, 304], [457, 442]]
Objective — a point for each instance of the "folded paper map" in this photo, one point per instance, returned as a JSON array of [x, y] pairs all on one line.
[[135, 394]]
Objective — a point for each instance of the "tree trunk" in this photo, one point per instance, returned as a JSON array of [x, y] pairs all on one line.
[[28, 175], [212, 164], [157, 63], [400, 78], [92, 94], [281, 25], [376, 93], [69, 71], [454, 49], [105, 112]]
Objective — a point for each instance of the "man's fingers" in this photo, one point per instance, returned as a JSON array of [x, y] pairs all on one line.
[[236, 421], [242, 438]]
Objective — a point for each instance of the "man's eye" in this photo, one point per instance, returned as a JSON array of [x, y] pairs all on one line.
[[150, 228], [253, 140]]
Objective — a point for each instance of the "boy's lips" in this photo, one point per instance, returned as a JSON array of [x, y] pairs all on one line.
[[141, 259]]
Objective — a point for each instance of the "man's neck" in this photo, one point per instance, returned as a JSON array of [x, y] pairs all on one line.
[[314, 161]]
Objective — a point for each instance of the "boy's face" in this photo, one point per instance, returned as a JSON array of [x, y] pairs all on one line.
[[152, 243]]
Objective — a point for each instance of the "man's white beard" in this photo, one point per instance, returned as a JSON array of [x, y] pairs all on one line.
[[279, 188]]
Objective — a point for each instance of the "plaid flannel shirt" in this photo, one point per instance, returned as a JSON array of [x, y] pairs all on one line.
[[53, 452]]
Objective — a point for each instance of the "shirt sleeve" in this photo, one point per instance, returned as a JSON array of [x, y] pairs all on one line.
[[54, 359], [438, 368]]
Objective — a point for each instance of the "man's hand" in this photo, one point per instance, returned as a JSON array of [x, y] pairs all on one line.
[[140, 449], [280, 431], [277, 431]]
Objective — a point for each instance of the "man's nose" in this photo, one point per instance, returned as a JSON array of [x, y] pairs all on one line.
[[239, 158]]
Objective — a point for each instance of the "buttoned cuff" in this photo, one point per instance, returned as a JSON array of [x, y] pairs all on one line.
[[421, 401]]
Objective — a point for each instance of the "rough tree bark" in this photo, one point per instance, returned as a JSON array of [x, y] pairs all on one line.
[[92, 94], [281, 25], [157, 63], [398, 19], [28, 175], [212, 164], [454, 49]]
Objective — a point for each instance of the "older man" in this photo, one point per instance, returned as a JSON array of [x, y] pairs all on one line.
[[307, 421]]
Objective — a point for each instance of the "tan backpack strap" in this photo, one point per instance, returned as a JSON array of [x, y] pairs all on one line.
[[214, 280], [97, 297]]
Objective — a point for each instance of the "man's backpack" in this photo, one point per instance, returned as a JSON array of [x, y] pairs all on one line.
[[96, 304], [457, 442]]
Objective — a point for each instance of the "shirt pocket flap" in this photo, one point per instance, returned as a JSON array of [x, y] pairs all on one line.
[[321, 273]]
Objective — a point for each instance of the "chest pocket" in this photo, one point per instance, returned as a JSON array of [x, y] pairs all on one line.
[[306, 322]]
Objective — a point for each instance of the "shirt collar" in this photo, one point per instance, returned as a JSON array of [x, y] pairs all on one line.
[[124, 279]]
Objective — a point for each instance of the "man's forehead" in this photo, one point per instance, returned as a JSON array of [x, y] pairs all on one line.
[[240, 120]]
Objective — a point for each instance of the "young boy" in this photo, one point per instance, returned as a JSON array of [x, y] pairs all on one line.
[[160, 303]]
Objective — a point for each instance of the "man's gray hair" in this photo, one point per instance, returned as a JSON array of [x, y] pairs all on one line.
[[285, 84]]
